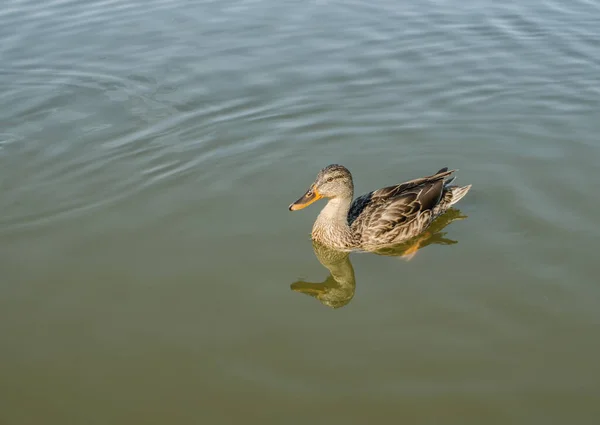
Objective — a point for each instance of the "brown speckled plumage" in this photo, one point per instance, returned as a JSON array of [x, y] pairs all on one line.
[[386, 216]]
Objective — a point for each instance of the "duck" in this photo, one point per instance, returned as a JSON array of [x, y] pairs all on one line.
[[381, 218]]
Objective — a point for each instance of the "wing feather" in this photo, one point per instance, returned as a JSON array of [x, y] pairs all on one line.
[[394, 211]]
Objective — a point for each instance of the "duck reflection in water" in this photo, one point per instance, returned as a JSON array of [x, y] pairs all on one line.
[[338, 289]]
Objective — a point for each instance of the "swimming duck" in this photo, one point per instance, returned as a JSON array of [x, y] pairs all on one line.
[[383, 217]]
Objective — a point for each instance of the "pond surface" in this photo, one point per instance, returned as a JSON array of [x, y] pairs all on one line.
[[150, 271]]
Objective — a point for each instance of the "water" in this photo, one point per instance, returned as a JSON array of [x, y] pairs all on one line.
[[150, 269]]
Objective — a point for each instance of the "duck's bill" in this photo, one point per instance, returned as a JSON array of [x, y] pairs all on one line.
[[308, 198]]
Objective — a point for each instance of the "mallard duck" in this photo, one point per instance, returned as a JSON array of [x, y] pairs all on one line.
[[383, 217]]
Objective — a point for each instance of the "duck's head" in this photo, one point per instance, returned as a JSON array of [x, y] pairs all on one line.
[[333, 181]]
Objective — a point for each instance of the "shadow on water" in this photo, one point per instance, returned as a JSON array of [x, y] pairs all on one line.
[[338, 289]]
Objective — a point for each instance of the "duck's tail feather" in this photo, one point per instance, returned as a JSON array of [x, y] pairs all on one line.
[[450, 196], [455, 193]]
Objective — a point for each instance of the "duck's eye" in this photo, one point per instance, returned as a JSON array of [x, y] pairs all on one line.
[[330, 179]]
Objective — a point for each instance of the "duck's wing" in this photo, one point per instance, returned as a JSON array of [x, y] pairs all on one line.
[[381, 196], [397, 212]]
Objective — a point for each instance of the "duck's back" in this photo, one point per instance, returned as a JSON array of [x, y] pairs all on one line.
[[396, 213]]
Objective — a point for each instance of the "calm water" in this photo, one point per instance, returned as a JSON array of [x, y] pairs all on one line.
[[151, 272]]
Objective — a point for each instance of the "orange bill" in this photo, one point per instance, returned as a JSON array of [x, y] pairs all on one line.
[[308, 198]]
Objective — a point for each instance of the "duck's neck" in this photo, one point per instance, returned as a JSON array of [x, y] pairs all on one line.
[[331, 227]]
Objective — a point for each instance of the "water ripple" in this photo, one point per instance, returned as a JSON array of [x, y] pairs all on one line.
[[149, 150], [120, 112]]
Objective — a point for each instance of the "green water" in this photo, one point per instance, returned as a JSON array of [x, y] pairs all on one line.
[[150, 271]]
